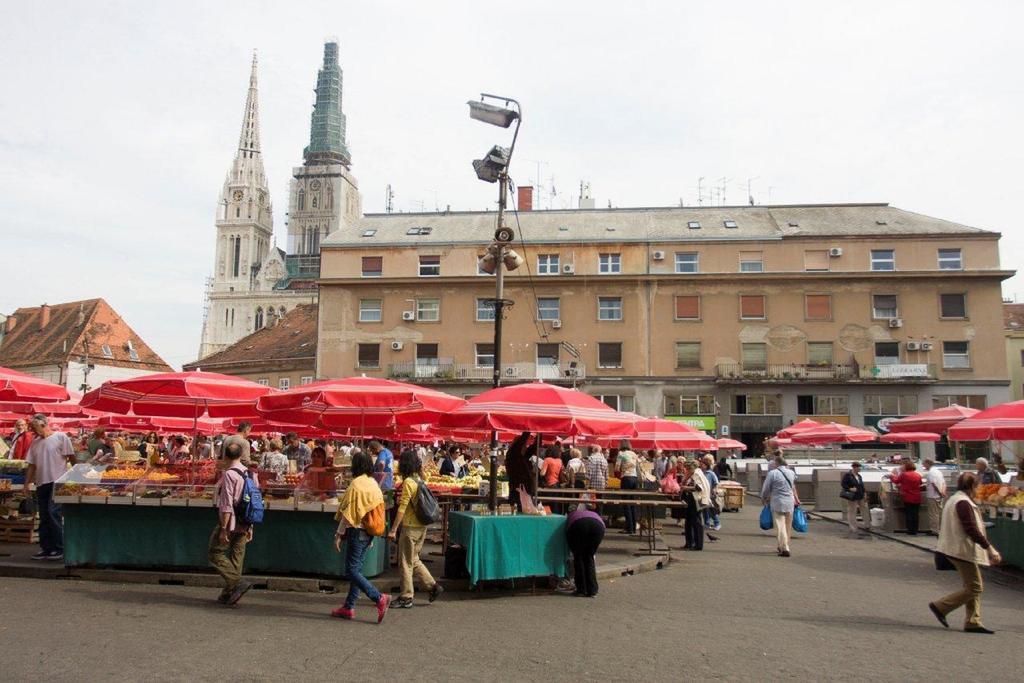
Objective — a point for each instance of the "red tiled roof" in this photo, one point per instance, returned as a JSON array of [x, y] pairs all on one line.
[[75, 330], [292, 338], [1013, 316]]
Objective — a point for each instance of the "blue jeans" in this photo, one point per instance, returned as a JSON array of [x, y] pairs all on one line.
[[51, 525], [356, 543], [710, 517], [629, 484]]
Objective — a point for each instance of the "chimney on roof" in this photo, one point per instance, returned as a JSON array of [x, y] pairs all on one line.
[[10, 323], [81, 314], [524, 201], [44, 316]]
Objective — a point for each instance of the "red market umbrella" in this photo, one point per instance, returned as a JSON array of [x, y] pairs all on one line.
[[831, 433], [56, 409], [357, 402], [671, 435], [18, 386], [1003, 422], [542, 408], [178, 394], [937, 421], [724, 444], [909, 437], [801, 426], [138, 424]]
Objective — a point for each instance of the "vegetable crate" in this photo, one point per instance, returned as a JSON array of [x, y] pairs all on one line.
[[24, 530]]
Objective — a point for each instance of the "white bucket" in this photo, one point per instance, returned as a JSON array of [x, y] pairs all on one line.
[[877, 518]]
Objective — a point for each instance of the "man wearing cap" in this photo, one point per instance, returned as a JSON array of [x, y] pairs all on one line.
[[855, 499]]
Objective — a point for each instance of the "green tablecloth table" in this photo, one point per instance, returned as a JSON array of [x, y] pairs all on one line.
[[510, 546], [1008, 537], [138, 537]]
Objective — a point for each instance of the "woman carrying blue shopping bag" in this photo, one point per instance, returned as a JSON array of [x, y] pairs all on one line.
[[779, 494]]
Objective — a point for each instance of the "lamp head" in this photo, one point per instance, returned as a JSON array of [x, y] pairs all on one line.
[[490, 167], [489, 113]]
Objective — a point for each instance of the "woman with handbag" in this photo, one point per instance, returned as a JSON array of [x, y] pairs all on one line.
[[854, 498], [963, 543], [360, 517], [696, 495], [779, 493], [414, 533], [909, 482]]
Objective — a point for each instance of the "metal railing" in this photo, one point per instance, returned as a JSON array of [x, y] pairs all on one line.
[[469, 372]]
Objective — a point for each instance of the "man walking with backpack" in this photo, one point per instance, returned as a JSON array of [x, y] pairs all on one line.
[[235, 514], [415, 503]]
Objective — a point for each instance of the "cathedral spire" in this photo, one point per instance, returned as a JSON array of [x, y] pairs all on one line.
[[249, 140], [327, 131]]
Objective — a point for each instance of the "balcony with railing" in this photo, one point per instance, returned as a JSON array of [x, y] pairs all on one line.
[[781, 373], [566, 372]]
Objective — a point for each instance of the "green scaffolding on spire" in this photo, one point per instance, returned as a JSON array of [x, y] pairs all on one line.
[[327, 132]]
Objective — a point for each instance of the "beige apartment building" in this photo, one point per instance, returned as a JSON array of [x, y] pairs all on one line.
[[738, 320]]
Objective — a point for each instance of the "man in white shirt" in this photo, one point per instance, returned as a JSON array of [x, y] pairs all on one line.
[[935, 493], [47, 461]]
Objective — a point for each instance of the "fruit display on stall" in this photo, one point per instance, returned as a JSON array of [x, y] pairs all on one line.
[[13, 466], [999, 495], [449, 484], [123, 474]]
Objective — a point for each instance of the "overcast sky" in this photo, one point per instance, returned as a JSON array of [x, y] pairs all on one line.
[[118, 121]]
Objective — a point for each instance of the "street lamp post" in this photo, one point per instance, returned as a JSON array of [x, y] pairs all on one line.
[[494, 168]]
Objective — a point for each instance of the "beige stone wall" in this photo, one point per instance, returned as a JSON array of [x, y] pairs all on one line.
[[1015, 363]]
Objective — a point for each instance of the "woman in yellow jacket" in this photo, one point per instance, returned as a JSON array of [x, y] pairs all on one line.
[[414, 532]]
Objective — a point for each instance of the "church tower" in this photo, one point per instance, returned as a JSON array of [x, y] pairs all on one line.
[[245, 233], [324, 195]]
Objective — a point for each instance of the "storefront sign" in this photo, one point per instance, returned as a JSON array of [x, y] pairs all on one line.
[[706, 423], [880, 422]]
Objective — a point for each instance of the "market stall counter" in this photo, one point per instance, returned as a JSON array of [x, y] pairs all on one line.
[[510, 546], [165, 523]]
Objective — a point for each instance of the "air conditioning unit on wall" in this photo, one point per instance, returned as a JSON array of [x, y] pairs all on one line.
[[397, 346], [835, 252], [408, 315], [895, 322], [568, 268], [556, 324], [927, 346], [658, 256], [913, 346]]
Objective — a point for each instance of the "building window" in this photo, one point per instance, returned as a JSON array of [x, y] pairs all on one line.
[[816, 260], [609, 354], [426, 354], [430, 266], [883, 259], [887, 353], [258, 322], [370, 310], [547, 361], [428, 310], [976, 401], [951, 259], [818, 306], [687, 355], [956, 354], [890, 405], [609, 308], [373, 266], [369, 232], [306, 379], [484, 355], [755, 356], [751, 262], [620, 402], [688, 307], [609, 263], [484, 310], [729, 223], [687, 262], [284, 383], [756, 404], [822, 405], [236, 259], [547, 264], [884, 306], [369, 356], [106, 351], [263, 381], [953, 305], [752, 307], [548, 308], [819, 353], [302, 200], [690, 405], [693, 225]]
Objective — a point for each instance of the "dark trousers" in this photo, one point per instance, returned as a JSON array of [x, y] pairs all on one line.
[[629, 484], [912, 512], [584, 537], [693, 527], [356, 543], [51, 525]]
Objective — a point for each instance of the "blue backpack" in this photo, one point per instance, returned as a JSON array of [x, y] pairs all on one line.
[[249, 508]]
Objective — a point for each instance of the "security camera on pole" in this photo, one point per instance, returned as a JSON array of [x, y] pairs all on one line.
[[494, 168]]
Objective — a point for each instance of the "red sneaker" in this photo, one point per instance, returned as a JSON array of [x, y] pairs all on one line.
[[382, 607], [342, 613]]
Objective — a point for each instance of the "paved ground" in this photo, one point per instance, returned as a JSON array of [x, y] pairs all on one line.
[[839, 609]]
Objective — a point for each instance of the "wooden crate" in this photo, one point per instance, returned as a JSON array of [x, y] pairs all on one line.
[[19, 531]]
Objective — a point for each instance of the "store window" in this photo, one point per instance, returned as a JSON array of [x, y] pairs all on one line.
[[816, 259], [484, 310], [430, 266], [950, 259], [956, 354], [884, 306], [887, 353], [752, 307], [756, 404], [819, 353], [976, 401], [609, 308], [818, 306], [547, 264], [883, 259], [609, 354], [688, 307], [370, 310], [373, 266], [428, 310], [953, 305], [751, 262], [369, 356], [891, 405], [548, 308], [755, 356], [687, 262], [609, 263], [688, 355]]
